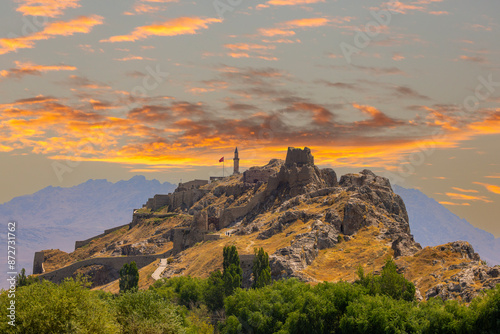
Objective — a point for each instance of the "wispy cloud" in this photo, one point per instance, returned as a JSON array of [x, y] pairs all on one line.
[[474, 59], [490, 187], [48, 8], [286, 28], [82, 24], [28, 68], [452, 203], [465, 190], [174, 27], [464, 197], [292, 2], [148, 6]]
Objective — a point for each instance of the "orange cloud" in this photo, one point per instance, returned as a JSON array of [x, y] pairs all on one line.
[[490, 125], [284, 28], [378, 117], [178, 26], [469, 197], [247, 47], [451, 203], [292, 2], [465, 190], [474, 59], [82, 24], [311, 22], [48, 8], [131, 57], [141, 7], [490, 187], [276, 32], [241, 50], [27, 68]]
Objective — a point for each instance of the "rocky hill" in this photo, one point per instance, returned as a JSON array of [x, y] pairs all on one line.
[[314, 226]]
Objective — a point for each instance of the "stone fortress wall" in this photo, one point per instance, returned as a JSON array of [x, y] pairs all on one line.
[[82, 243], [183, 198], [114, 263]]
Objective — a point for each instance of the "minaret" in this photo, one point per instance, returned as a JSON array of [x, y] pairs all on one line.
[[236, 162]]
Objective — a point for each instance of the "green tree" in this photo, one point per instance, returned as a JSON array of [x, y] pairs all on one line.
[[261, 269], [214, 292], [21, 278], [129, 277], [486, 309], [395, 285], [380, 314], [146, 312], [389, 282], [232, 274]]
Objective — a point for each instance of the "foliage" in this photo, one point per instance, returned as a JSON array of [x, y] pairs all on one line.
[[261, 269], [192, 305], [146, 312], [378, 315], [45, 307], [129, 277], [214, 292], [22, 280], [389, 283], [289, 306], [374, 304], [487, 309], [182, 290], [232, 274]]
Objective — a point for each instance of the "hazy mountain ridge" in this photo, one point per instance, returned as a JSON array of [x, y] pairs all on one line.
[[56, 217], [433, 224]]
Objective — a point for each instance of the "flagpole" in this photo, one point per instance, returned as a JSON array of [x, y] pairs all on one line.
[[222, 166]]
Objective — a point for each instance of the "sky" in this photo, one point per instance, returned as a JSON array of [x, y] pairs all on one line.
[[164, 88]]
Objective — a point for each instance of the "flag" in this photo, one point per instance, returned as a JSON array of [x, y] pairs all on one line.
[[221, 159]]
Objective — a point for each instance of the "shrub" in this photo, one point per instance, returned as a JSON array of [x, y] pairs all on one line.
[[45, 307]]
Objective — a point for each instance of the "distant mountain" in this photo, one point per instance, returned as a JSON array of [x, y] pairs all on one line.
[[432, 224], [56, 217]]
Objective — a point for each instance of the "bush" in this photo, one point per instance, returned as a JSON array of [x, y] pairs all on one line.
[[380, 315], [183, 290], [45, 307], [389, 283], [146, 312]]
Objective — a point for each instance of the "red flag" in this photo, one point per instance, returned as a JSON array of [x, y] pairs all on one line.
[[221, 159]]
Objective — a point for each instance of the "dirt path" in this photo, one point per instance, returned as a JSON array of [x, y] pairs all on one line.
[[157, 274]]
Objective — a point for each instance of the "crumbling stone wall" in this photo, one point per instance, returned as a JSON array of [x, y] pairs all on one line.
[[257, 174], [195, 184], [301, 157], [38, 263], [177, 200], [246, 263], [79, 244], [115, 263]]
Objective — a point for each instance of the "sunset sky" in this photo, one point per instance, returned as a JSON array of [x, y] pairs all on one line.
[[164, 88]]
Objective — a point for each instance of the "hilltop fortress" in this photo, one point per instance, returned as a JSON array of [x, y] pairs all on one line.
[[298, 212]]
